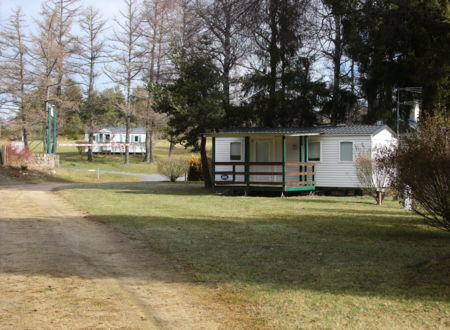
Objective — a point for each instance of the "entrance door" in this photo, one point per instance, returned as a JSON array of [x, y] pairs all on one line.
[[263, 151]]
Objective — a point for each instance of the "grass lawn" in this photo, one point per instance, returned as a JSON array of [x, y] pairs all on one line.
[[11, 176], [70, 158], [299, 262]]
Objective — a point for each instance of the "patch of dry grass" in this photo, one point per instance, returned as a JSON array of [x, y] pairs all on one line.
[[299, 262]]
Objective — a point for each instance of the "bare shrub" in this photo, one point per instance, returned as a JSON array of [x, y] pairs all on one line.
[[374, 171], [422, 163], [173, 167]]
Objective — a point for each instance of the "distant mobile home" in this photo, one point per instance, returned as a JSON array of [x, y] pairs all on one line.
[[293, 159], [116, 136]]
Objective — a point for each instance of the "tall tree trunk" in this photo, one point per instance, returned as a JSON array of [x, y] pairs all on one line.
[[171, 144], [148, 158], [90, 153], [227, 59], [205, 168], [273, 53], [25, 134], [337, 56]]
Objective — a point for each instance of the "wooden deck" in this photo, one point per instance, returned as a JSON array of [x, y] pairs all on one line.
[[297, 180]]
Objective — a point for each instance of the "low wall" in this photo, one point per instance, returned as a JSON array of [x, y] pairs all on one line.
[[8, 157], [47, 161]]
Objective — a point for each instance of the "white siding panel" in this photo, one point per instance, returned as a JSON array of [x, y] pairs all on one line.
[[330, 171], [223, 155]]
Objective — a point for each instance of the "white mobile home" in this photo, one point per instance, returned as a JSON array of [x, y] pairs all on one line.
[[110, 139], [293, 159]]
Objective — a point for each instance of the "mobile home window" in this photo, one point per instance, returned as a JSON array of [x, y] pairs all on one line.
[[314, 151], [235, 151], [136, 138], [346, 151]]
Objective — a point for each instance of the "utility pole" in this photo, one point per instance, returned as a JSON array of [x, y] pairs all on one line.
[[51, 129]]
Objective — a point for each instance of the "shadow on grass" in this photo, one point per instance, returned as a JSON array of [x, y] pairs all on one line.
[[362, 257], [341, 255]]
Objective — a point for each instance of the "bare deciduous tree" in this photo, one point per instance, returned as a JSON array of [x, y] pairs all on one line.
[[127, 54], [53, 51], [186, 26], [92, 53], [154, 121], [45, 53], [374, 171], [14, 69], [67, 44], [157, 22], [223, 21]]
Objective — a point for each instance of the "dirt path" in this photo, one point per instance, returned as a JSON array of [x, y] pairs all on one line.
[[59, 270]]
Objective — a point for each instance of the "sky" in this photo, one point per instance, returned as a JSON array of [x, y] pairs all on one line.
[[109, 8], [31, 8]]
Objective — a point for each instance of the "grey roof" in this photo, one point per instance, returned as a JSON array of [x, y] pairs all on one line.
[[121, 130], [326, 130]]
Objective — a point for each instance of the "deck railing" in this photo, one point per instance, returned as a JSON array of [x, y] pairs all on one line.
[[305, 175]]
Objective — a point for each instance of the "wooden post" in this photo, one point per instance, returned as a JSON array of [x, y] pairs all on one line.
[[213, 167], [247, 159], [301, 156], [283, 160]]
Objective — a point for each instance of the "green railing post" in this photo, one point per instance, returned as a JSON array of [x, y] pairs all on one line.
[[49, 126], [303, 157], [313, 176], [54, 133], [50, 136], [247, 160], [213, 165], [306, 156], [283, 159]]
